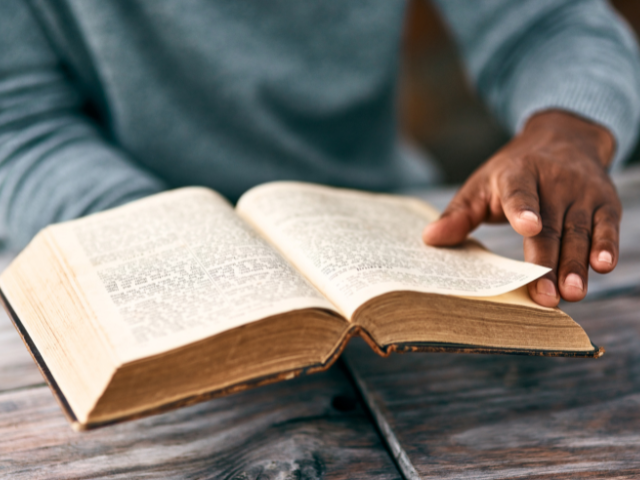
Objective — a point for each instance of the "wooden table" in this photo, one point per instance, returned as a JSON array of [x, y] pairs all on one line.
[[408, 416], [495, 417]]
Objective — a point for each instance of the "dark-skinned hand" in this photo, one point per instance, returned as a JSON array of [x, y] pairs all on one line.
[[551, 184]]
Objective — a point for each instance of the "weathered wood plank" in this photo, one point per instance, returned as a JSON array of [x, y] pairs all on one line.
[[624, 279], [308, 428], [499, 417], [17, 369]]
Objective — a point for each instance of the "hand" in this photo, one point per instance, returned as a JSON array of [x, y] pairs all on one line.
[[551, 184]]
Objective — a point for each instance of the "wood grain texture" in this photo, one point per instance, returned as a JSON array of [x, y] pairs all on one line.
[[17, 369], [501, 417], [290, 430]]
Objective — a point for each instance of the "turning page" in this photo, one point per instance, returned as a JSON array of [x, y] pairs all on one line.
[[355, 246], [176, 267]]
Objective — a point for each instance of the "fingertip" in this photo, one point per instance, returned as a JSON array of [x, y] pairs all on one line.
[[527, 223], [445, 231], [429, 233], [573, 288], [543, 291], [602, 261], [605, 257]]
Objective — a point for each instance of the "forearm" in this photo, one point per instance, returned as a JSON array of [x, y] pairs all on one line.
[[535, 55], [61, 169], [54, 162]]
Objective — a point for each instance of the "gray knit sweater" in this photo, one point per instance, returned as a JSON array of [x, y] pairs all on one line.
[[105, 101]]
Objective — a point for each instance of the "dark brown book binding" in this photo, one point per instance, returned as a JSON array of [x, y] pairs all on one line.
[[355, 331]]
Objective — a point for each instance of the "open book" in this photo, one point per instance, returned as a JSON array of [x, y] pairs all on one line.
[[178, 297]]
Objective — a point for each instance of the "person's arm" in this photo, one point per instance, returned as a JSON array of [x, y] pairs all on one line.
[[54, 163], [564, 76]]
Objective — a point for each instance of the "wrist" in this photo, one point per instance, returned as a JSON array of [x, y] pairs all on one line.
[[557, 125]]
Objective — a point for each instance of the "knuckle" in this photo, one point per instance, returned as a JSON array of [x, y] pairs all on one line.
[[550, 232], [573, 265], [460, 209], [611, 213], [606, 230], [514, 164], [604, 244], [577, 230], [520, 194], [578, 224], [457, 206], [528, 158], [579, 217]]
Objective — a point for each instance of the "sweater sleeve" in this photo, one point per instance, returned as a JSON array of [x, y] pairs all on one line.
[[54, 163], [526, 56]]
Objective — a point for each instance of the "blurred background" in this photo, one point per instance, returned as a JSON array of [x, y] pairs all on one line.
[[438, 110]]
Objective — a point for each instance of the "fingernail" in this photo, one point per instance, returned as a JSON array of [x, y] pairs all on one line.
[[605, 257], [574, 280], [529, 216], [546, 287]]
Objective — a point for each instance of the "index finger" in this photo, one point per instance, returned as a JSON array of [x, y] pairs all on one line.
[[464, 213], [518, 190]]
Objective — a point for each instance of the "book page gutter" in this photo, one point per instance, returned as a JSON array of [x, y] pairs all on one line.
[[356, 246], [175, 268]]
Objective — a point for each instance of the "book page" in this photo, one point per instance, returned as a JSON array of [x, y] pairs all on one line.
[[177, 267], [355, 246]]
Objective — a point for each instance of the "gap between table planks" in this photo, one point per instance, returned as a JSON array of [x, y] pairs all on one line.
[[502, 417], [307, 428], [497, 417]]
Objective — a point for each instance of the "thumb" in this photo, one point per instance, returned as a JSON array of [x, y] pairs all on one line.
[[464, 213]]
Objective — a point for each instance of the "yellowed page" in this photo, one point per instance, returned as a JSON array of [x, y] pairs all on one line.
[[174, 268], [355, 246], [519, 296]]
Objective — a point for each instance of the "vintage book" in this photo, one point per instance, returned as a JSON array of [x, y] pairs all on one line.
[[179, 297]]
